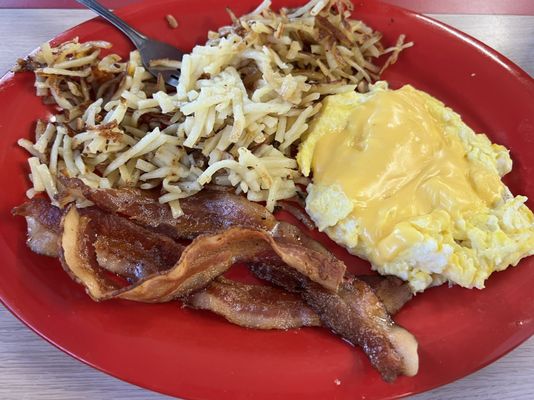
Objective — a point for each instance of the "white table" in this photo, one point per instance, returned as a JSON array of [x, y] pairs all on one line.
[[30, 368]]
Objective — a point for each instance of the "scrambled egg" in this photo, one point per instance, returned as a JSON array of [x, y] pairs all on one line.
[[400, 180]]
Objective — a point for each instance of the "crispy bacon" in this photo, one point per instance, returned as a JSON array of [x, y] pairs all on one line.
[[115, 257], [254, 306], [297, 212], [128, 250], [204, 259], [392, 292], [123, 255], [93, 244], [355, 313], [267, 307], [42, 221], [208, 211]]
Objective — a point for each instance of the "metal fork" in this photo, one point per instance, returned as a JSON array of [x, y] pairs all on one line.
[[149, 49]]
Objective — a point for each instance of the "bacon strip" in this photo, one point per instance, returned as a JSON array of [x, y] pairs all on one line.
[[297, 212], [94, 242], [356, 314], [127, 257], [128, 250], [254, 306], [392, 292], [42, 221], [204, 259], [208, 211], [267, 307]]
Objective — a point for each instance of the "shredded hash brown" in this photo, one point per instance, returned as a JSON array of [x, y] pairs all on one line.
[[243, 101]]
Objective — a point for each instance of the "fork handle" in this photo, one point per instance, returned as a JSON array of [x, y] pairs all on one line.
[[137, 38]]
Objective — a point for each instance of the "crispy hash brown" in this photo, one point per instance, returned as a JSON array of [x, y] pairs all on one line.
[[243, 101]]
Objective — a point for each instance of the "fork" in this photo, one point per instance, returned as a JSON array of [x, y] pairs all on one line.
[[149, 49]]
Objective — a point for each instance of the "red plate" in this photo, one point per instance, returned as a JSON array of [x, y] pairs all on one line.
[[194, 354]]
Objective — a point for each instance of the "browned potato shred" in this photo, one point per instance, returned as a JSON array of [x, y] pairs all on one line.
[[243, 102]]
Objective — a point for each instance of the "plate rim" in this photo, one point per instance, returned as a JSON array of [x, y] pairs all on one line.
[[125, 12]]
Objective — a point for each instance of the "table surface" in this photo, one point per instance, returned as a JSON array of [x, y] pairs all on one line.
[[31, 368]]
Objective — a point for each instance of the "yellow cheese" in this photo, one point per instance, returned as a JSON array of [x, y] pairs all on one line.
[[398, 177]]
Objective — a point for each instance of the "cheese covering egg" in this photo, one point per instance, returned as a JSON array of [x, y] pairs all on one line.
[[400, 180]]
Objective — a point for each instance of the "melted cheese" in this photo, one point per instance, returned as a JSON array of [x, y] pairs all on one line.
[[393, 158], [399, 179]]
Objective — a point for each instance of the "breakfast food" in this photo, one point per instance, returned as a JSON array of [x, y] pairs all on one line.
[[153, 191], [131, 258], [242, 103], [267, 307], [355, 314], [400, 180]]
